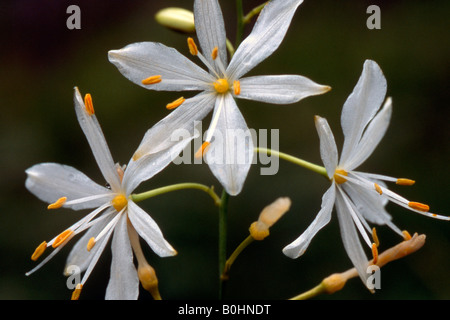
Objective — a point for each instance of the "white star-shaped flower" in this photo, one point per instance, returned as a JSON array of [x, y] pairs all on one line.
[[114, 212], [360, 198], [157, 67]]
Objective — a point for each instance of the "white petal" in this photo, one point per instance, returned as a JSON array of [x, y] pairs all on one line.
[[266, 36], [123, 282], [328, 148], [350, 238], [97, 142], [230, 154], [360, 107], [282, 89], [141, 60], [51, 181], [180, 122], [210, 29], [299, 246], [147, 228], [372, 136]]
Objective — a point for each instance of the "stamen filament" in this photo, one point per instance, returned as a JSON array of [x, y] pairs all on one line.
[[175, 104], [58, 204], [152, 80], [374, 253], [88, 104], [39, 251], [375, 237]]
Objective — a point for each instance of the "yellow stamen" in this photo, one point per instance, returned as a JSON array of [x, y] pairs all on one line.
[[337, 176], [203, 149], [419, 206], [58, 204], [152, 80], [91, 244], [374, 253], [175, 104], [88, 104], [237, 87], [406, 235], [378, 189], [221, 85], [61, 238], [192, 46], [119, 202], [39, 251], [405, 182], [76, 293], [215, 53], [375, 237]]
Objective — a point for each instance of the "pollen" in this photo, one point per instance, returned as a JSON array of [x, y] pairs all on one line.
[[119, 202], [175, 104], [91, 244], [374, 253], [215, 53], [338, 176], [237, 87], [88, 104], [39, 251], [58, 204], [378, 189], [405, 182], [202, 150], [152, 80], [406, 235], [192, 46], [61, 238], [76, 293], [221, 85], [419, 206]]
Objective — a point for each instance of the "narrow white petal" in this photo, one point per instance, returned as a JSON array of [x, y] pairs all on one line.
[[51, 181], [265, 38], [372, 136], [147, 228], [230, 154], [328, 148], [210, 29], [97, 142], [139, 61], [299, 246], [361, 106], [282, 89], [350, 238], [180, 122], [123, 282]]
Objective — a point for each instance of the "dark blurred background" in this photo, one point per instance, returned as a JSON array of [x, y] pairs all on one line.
[[41, 61]]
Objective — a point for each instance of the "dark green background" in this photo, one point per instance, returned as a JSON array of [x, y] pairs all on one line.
[[41, 61]]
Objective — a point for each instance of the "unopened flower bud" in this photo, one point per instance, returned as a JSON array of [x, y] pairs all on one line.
[[177, 19], [148, 279], [269, 215]]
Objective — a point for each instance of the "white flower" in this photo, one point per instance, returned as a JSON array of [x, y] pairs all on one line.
[[359, 197], [114, 212], [157, 67]]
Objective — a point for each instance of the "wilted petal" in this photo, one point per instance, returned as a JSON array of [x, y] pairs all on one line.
[[231, 152], [139, 61], [123, 282], [210, 29], [147, 228], [361, 106], [328, 148], [51, 181], [266, 36], [282, 89], [299, 246], [97, 142]]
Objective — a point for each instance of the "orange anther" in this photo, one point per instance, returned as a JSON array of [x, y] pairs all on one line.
[[88, 104], [58, 204], [202, 149], [152, 80], [39, 251], [61, 238], [175, 104], [419, 206]]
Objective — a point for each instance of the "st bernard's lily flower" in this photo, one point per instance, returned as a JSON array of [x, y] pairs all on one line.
[[360, 198], [114, 212], [228, 142]]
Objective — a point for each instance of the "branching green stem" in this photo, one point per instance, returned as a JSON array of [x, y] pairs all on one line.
[[234, 255]]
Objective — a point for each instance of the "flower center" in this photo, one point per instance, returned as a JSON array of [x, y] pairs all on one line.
[[338, 176], [119, 202], [221, 85]]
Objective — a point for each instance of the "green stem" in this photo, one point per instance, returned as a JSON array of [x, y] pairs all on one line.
[[255, 11], [305, 164], [222, 238], [240, 22], [234, 255], [156, 192], [319, 289]]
